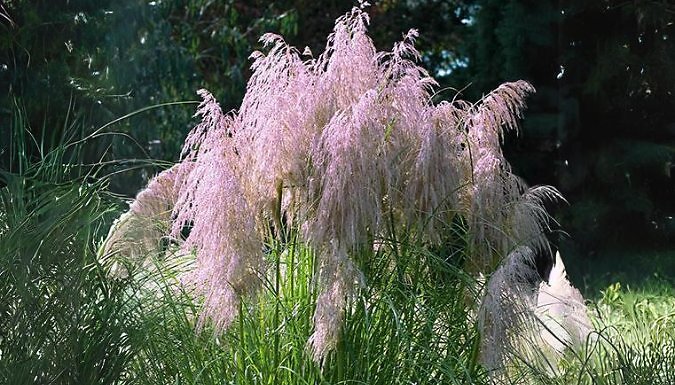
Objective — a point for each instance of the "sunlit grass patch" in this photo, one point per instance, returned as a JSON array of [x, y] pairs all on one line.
[[634, 342]]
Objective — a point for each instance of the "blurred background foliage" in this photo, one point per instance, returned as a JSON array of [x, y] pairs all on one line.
[[601, 127]]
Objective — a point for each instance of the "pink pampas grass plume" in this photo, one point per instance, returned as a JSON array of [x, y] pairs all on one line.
[[134, 239], [223, 233]]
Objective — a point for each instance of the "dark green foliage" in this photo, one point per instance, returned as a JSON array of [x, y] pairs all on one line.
[[42, 57], [111, 57], [620, 71], [601, 126], [61, 320]]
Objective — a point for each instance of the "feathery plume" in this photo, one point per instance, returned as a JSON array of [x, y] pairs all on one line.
[[211, 201], [561, 309], [524, 318], [505, 315], [340, 277], [502, 212], [135, 236]]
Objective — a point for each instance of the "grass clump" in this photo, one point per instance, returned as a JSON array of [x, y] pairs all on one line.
[[61, 320], [410, 324]]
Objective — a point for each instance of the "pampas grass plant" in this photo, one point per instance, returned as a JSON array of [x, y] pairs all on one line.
[[348, 145]]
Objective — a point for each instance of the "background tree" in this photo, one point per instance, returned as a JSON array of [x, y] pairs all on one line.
[[602, 125], [105, 59]]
